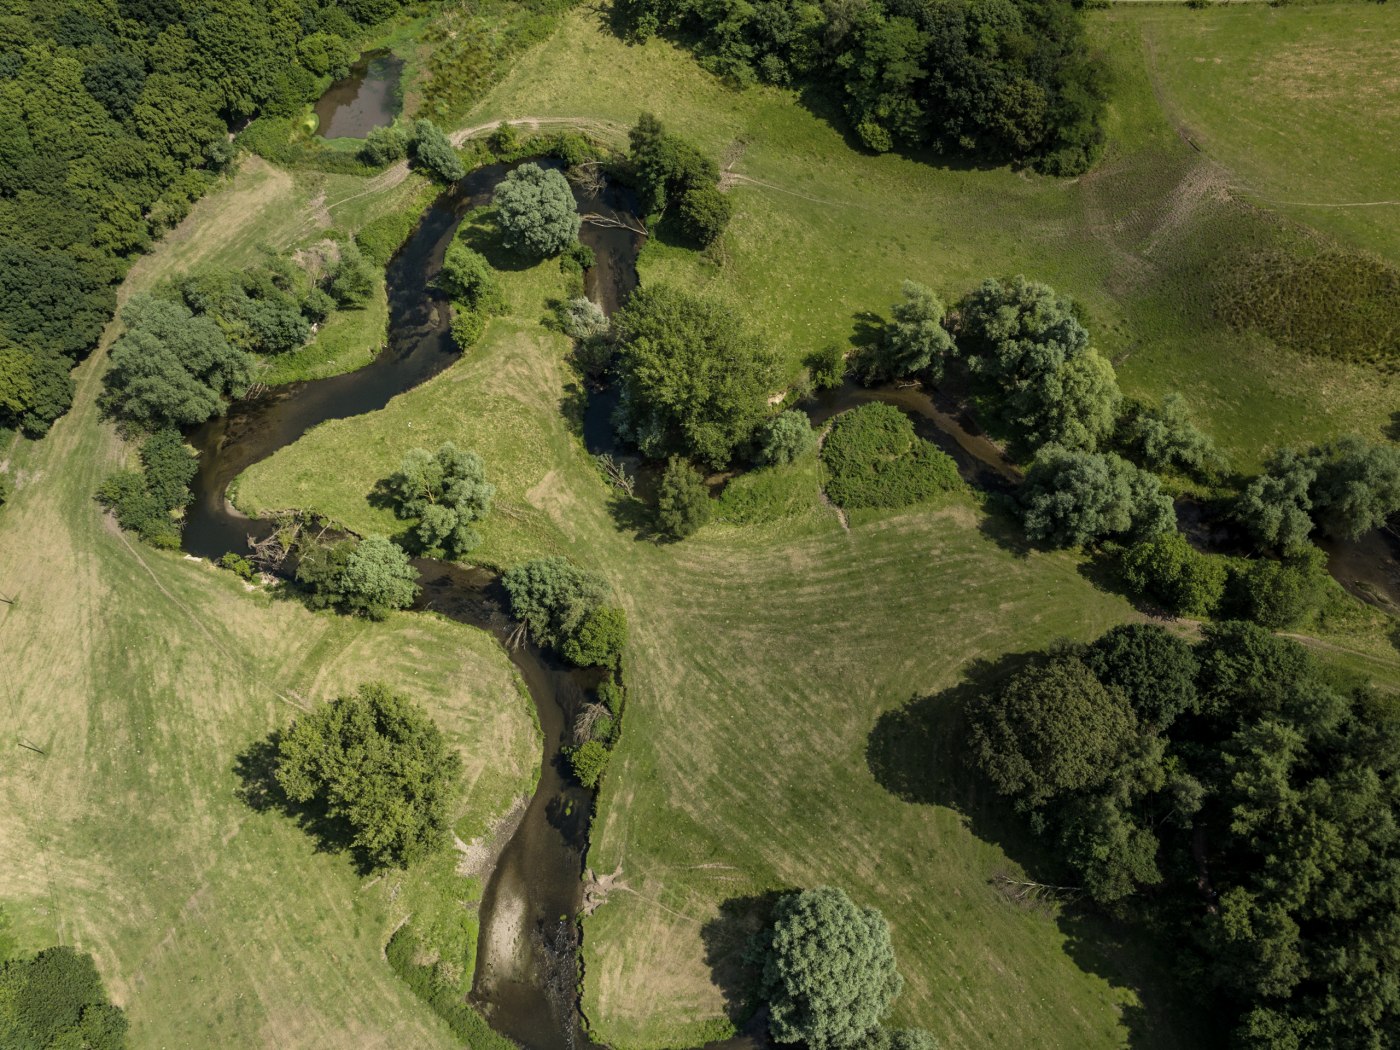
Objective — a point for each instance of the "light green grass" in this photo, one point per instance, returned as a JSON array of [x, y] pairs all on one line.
[[349, 339], [141, 675], [1300, 103]]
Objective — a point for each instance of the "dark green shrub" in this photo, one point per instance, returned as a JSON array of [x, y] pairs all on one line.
[[468, 278], [682, 500], [704, 212], [468, 326], [434, 151], [169, 465], [504, 140], [386, 145], [1169, 570], [599, 639], [1281, 594], [589, 761], [827, 366], [351, 280], [55, 1000], [238, 565], [873, 458], [1155, 670]]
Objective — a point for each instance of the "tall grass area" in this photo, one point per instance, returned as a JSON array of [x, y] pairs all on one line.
[[140, 677]]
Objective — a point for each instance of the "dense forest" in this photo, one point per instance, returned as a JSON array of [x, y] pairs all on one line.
[[114, 118], [1002, 80], [1235, 797]]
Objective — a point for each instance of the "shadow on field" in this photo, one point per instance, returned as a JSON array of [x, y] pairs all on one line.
[[919, 753], [256, 769], [481, 233], [728, 939]]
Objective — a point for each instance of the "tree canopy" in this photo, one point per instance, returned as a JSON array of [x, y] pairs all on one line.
[[675, 178], [1036, 377], [536, 211], [377, 762], [829, 972], [1076, 498], [693, 381], [369, 577], [1002, 79], [1255, 791], [914, 342], [567, 608], [447, 492]]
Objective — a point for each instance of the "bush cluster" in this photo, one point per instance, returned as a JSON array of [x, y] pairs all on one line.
[[370, 577], [146, 501], [675, 178], [873, 458], [567, 608], [55, 999]]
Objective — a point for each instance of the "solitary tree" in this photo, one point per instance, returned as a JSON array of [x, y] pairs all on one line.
[[536, 211], [447, 492], [370, 577], [682, 500], [829, 975], [376, 761]]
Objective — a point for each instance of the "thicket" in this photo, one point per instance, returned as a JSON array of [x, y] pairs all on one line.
[[113, 120], [375, 762], [1003, 80], [1232, 797], [146, 501], [1170, 571], [693, 382], [55, 1000], [447, 492], [370, 577], [674, 178], [873, 458]]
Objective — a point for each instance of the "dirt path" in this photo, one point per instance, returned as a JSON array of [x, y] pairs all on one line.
[[395, 175]]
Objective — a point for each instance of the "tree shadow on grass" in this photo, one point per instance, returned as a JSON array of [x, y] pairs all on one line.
[[480, 232], [1002, 525], [256, 769], [919, 753], [729, 939]]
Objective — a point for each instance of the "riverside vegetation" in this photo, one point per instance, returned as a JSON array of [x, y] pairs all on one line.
[[743, 748]]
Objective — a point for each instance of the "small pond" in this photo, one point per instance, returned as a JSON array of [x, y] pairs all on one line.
[[368, 98]]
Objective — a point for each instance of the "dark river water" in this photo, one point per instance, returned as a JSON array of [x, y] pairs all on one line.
[[527, 972], [366, 99]]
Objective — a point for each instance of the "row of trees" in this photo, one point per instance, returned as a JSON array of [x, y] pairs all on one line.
[[1000, 79], [1232, 795], [113, 119]]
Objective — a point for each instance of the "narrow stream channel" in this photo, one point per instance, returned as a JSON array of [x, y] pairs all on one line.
[[527, 975]]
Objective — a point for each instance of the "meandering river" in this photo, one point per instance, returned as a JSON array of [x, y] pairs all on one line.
[[527, 973]]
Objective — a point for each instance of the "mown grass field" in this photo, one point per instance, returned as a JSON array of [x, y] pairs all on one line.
[[141, 676], [772, 653]]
